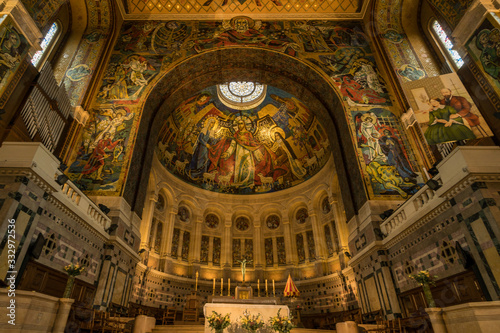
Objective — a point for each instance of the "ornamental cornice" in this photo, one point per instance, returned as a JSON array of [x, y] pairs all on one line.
[[33, 176], [468, 181]]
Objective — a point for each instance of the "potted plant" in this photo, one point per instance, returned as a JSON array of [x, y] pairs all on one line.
[[218, 322], [281, 324], [73, 271], [425, 280], [251, 322]]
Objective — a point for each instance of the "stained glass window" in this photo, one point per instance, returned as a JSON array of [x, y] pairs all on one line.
[[45, 43], [241, 91], [447, 43]]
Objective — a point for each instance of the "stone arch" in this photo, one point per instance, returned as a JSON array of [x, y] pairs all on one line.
[[269, 67]]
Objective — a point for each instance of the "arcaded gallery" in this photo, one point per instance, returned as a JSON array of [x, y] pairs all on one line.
[[259, 166]]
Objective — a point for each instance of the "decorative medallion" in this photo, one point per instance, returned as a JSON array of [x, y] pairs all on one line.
[[273, 222], [302, 215], [184, 214], [242, 223], [212, 221]]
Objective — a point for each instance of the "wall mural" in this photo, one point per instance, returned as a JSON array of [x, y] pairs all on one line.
[[483, 47], [390, 167], [445, 111], [77, 76], [451, 10], [273, 146], [41, 11], [13, 51], [146, 50]]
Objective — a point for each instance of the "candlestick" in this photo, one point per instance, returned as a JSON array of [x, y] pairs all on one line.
[[274, 292], [266, 287], [258, 288], [213, 292], [196, 284], [228, 287], [221, 285]]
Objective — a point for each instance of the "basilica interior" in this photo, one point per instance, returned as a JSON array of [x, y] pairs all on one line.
[[178, 149]]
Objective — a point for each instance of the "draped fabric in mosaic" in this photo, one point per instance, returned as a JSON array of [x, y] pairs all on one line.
[[216, 251], [249, 252], [310, 244], [301, 253], [268, 249], [280, 244], [205, 244], [329, 241], [236, 251], [175, 242], [159, 231], [185, 245]]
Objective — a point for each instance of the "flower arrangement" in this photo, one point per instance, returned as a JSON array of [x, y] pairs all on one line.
[[218, 322], [281, 324], [251, 322], [74, 270], [424, 277]]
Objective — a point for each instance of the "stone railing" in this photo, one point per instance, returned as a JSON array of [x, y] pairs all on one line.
[[34, 161], [458, 165]]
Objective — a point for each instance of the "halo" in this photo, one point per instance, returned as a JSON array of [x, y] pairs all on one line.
[[274, 130], [209, 119]]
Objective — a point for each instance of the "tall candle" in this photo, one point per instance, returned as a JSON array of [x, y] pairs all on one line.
[[221, 285], [266, 285], [196, 285], [228, 287], [258, 288], [274, 293], [214, 287]]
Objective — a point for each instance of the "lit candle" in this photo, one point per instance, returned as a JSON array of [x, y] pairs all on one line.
[[274, 294], [258, 288], [228, 287], [214, 288], [221, 285], [196, 285], [266, 286]]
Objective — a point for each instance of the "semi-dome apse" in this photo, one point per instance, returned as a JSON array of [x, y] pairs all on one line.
[[242, 146]]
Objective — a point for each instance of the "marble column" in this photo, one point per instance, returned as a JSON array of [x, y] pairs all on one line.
[[62, 315], [257, 246], [340, 223], [147, 219], [306, 246], [226, 260], [290, 248]]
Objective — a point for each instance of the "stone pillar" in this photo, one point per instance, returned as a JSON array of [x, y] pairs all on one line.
[[319, 236], [275, 252], [211, 251], [169, 231], [148, 219], [196, 238], [226, 248], [152, 234], [257, 236], [290, 248], [340, 223], [306, 246], [179, 248], [62, 314], [437, 320]]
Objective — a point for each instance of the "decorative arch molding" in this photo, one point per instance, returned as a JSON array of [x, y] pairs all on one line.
[[269, 67]]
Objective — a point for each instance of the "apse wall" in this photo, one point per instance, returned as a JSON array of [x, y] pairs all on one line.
[[291, 231]]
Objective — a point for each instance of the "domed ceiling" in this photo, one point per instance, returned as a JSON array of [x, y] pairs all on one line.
[[243, 138]]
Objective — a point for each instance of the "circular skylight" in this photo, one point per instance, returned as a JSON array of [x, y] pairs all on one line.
[[241, 93]]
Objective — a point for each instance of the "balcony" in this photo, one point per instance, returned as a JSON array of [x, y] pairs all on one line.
[[33, 160]]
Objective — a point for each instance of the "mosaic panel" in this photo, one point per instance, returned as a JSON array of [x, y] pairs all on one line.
[[185, 245], [216, 251], [205, 243], [268, 247], [301, 253], [249, 252], [236, 251], [42, 10], [280, 244], [451, 10], [175, 242], [311, 245], [329, 241], [147, 50]]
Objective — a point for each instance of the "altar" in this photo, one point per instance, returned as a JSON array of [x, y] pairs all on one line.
[[236, 309]]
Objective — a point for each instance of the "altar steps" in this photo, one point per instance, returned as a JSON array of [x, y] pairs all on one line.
[[201, 329]]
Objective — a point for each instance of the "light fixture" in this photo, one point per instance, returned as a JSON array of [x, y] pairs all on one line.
[[141, 251], [386, 214], [111, 228]]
